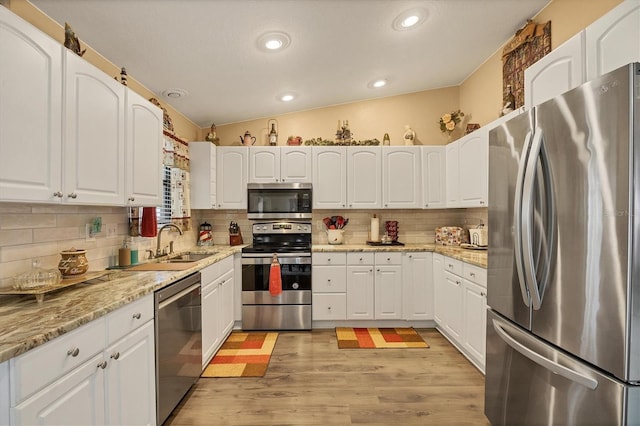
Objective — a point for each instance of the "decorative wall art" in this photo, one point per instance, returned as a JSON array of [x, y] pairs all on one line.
[[529, 44]]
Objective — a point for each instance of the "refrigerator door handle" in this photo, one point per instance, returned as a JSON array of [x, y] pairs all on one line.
[[544, 362], [517, 220], [526, 218]]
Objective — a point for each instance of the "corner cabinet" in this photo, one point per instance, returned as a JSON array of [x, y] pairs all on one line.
[[93, 134], [232, 171], [401, 178], [329, 177], [30, 112], [434, 195], [143, 152]]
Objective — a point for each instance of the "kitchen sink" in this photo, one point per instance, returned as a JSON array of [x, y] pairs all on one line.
[[188, 257]]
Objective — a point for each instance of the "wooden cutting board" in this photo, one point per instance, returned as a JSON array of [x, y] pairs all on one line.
[[152, 266]]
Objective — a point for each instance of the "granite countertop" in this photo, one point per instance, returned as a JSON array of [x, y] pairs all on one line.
[[26, 325], [474, 257]]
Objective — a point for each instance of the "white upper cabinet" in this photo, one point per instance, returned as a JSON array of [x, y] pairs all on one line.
[[30, 112], [560, 70], [93, 134], [279, 164], [203, 175], [452, 174], [364, 178], [232, 173], [613, 40], [433, 177], [329, 177], [473, 157], [295, 164], [401, 177], [144, 152]]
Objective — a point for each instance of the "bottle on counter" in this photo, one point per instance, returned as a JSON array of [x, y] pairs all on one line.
[[124, 255]]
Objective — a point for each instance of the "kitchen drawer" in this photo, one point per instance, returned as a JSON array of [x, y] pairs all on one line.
[[38, 367], [475, 274], [126, 319], [225, 265], [453, 265], [329, 258], [359, 258], [210, 273], [329, 306], [387, 258], [329, 279]]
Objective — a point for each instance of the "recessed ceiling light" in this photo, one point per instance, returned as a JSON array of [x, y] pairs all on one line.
[[409, 19], [273, 41], [175, 93], [287, 97], [376, 84]]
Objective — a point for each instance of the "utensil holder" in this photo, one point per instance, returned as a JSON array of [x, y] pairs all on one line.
[[235, 239]]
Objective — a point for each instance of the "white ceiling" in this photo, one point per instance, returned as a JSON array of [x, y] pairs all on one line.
[[209, 48]]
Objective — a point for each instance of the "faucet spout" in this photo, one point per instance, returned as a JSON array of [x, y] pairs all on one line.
[[168, 225]]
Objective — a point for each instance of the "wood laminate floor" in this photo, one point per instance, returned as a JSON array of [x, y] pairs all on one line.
[[312, 382]]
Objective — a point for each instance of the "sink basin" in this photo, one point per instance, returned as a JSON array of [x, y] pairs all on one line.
[[188, 257]]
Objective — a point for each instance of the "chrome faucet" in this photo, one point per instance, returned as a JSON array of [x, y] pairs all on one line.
[[168, 225]]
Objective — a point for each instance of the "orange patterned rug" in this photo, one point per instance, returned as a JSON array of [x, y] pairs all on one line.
[[242, 355], [378, 338]]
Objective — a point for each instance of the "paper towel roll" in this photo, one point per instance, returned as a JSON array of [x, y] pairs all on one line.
[[375, 229]]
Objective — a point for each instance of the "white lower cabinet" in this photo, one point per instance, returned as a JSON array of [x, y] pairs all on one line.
[[360, 292], [329, 277], [4, 390], [217, 306], [100, 373], [460, 305], [417, 285]]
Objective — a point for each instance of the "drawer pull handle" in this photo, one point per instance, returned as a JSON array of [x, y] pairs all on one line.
[[73, 352], [329, 307], [472, 274], [116, 355], [137, 316], [102, 365], [58, 194]]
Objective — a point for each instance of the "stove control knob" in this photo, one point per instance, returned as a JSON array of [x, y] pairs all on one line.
[[264, 228], [295, 286]]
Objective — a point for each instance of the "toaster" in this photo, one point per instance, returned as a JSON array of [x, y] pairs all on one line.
[[478, 237]]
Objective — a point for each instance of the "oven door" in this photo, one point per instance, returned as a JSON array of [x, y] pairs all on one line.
[[279, 201], [295, 269]]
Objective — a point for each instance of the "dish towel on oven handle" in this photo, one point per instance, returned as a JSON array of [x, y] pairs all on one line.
[[275, 277]]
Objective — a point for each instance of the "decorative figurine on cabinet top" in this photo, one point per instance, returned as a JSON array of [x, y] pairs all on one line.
[[71, 41], [409, 135]]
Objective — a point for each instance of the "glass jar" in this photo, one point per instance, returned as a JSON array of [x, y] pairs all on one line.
[[37, 277]]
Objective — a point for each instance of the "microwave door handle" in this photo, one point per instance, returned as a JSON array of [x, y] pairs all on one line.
[[544, 362], [517, 220], [527, 217]]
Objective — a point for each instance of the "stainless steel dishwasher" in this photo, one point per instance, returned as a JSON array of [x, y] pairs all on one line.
[[178, 342]]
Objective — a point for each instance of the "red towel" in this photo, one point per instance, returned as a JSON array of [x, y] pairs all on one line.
[[275, 277], [149, 222]]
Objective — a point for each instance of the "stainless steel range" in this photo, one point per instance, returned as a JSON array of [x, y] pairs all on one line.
[[291, 310]]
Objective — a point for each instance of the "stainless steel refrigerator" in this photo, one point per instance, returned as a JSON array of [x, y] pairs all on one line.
[[563, 324]]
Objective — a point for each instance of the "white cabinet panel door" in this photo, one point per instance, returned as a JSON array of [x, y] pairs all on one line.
[[452, 174], [360, 292], [329, 177], [417, 290], [232, 174], [295, 164], [30, 112], [473, 157], [210, 321], [453, 301], [94, 135], [264, 164], [475, 319], [560, 70], [434, 177], [401, 178], [364, 178], [439, 290], [388, 292], [203, 175], [613, 40]]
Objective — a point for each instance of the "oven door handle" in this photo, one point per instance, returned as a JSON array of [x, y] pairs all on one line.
[[270, 255], [262, 260]]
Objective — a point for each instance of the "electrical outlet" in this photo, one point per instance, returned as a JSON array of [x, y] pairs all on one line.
[[112, 230]]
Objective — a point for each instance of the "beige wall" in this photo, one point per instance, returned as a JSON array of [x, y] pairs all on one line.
[[182, 125], [367, 120]]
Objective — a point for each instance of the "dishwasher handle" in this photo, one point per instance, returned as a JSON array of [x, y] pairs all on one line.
[[177, 287], [177, 296]]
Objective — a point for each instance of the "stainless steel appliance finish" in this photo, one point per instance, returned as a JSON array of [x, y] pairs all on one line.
[[279, 201], [178, 342], [291, 310], [563, 215]]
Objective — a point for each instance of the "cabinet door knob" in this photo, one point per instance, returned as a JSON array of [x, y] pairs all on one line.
[[377, 270], [483, 294], [482, 203], [73, 352], [281, 180], [388, 259], [102, 365], [329, 280], [410, 256], [426, 205], [57, 194], [329, 308], [115, 355], [472, 274], [73, 195], [137, 315], [457, 282], [132, 199]]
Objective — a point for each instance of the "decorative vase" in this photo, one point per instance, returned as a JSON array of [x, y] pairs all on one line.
[[73, 263]]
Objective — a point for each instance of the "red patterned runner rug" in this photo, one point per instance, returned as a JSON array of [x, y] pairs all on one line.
[[378, 338], [242, 355]]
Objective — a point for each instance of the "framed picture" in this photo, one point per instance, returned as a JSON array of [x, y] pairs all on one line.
[[471, 127]]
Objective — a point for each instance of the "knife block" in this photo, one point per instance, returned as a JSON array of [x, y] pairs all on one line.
[[235, 239]]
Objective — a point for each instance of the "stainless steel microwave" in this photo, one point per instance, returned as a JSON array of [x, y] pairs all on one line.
[[279, 200]]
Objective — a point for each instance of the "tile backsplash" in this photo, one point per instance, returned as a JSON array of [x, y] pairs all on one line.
[[41, 231]]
